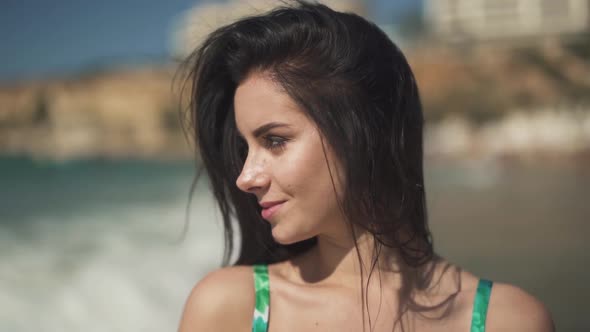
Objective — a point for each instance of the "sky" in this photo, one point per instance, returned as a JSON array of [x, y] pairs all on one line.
[[40, 38]]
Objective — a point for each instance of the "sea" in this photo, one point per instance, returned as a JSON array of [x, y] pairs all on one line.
[[117, 245]]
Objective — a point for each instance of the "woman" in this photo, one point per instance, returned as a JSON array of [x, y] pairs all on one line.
[[309, 125]]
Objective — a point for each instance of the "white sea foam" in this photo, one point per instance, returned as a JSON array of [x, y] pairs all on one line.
[[106, 269]]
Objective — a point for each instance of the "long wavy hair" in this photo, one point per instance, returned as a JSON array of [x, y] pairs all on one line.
[[356, 85]]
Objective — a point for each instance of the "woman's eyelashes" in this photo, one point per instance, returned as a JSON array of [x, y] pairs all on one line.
[[273, 142]]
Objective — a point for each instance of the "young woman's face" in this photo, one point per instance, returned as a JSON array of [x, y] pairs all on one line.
[[286, 163]]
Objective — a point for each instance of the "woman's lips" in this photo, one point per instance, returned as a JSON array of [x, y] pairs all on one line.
[[269, 211]]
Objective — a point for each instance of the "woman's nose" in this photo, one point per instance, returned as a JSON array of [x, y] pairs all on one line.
[[253, 178]]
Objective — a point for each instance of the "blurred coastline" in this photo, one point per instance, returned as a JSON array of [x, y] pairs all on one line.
[[497, 83], [126, 113], [483, 103]]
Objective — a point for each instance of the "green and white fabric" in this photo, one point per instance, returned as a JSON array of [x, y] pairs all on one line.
[[480, 306], [262, 288]]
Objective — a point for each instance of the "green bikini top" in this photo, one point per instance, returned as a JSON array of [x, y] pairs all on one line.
[[262, 288]]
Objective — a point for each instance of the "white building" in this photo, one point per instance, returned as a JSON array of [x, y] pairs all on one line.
[[480, 20], [192, 26]]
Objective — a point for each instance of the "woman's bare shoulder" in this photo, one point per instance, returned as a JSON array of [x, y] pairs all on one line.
[[222, 301], [510, 308], [513, 309]]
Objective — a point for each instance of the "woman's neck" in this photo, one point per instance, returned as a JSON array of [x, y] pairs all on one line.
[[335, 261]]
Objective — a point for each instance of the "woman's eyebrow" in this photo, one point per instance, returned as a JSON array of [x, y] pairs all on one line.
[[266, 127]]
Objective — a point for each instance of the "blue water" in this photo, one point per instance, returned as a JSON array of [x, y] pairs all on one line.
[[32, 188], [94, 245]]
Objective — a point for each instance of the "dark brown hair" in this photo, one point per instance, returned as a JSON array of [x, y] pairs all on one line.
[[356, 85]]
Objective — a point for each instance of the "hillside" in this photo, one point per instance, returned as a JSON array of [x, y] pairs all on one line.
[[468, 95]]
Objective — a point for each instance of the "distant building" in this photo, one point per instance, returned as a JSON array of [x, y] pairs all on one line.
[[195, 24], [481, 20]]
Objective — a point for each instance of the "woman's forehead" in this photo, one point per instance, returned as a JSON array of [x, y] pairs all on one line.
[[259, 99]]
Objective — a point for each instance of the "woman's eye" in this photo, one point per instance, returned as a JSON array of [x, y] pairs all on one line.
[[274, 142]]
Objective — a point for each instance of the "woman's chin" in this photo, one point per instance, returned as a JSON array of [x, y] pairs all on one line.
[[285, 237], [281, 237]]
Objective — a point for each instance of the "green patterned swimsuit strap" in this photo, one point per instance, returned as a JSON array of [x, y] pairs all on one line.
[[480, 305], [262, 289]]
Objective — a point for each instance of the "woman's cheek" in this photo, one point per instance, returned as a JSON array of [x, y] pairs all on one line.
[[296, 168]]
